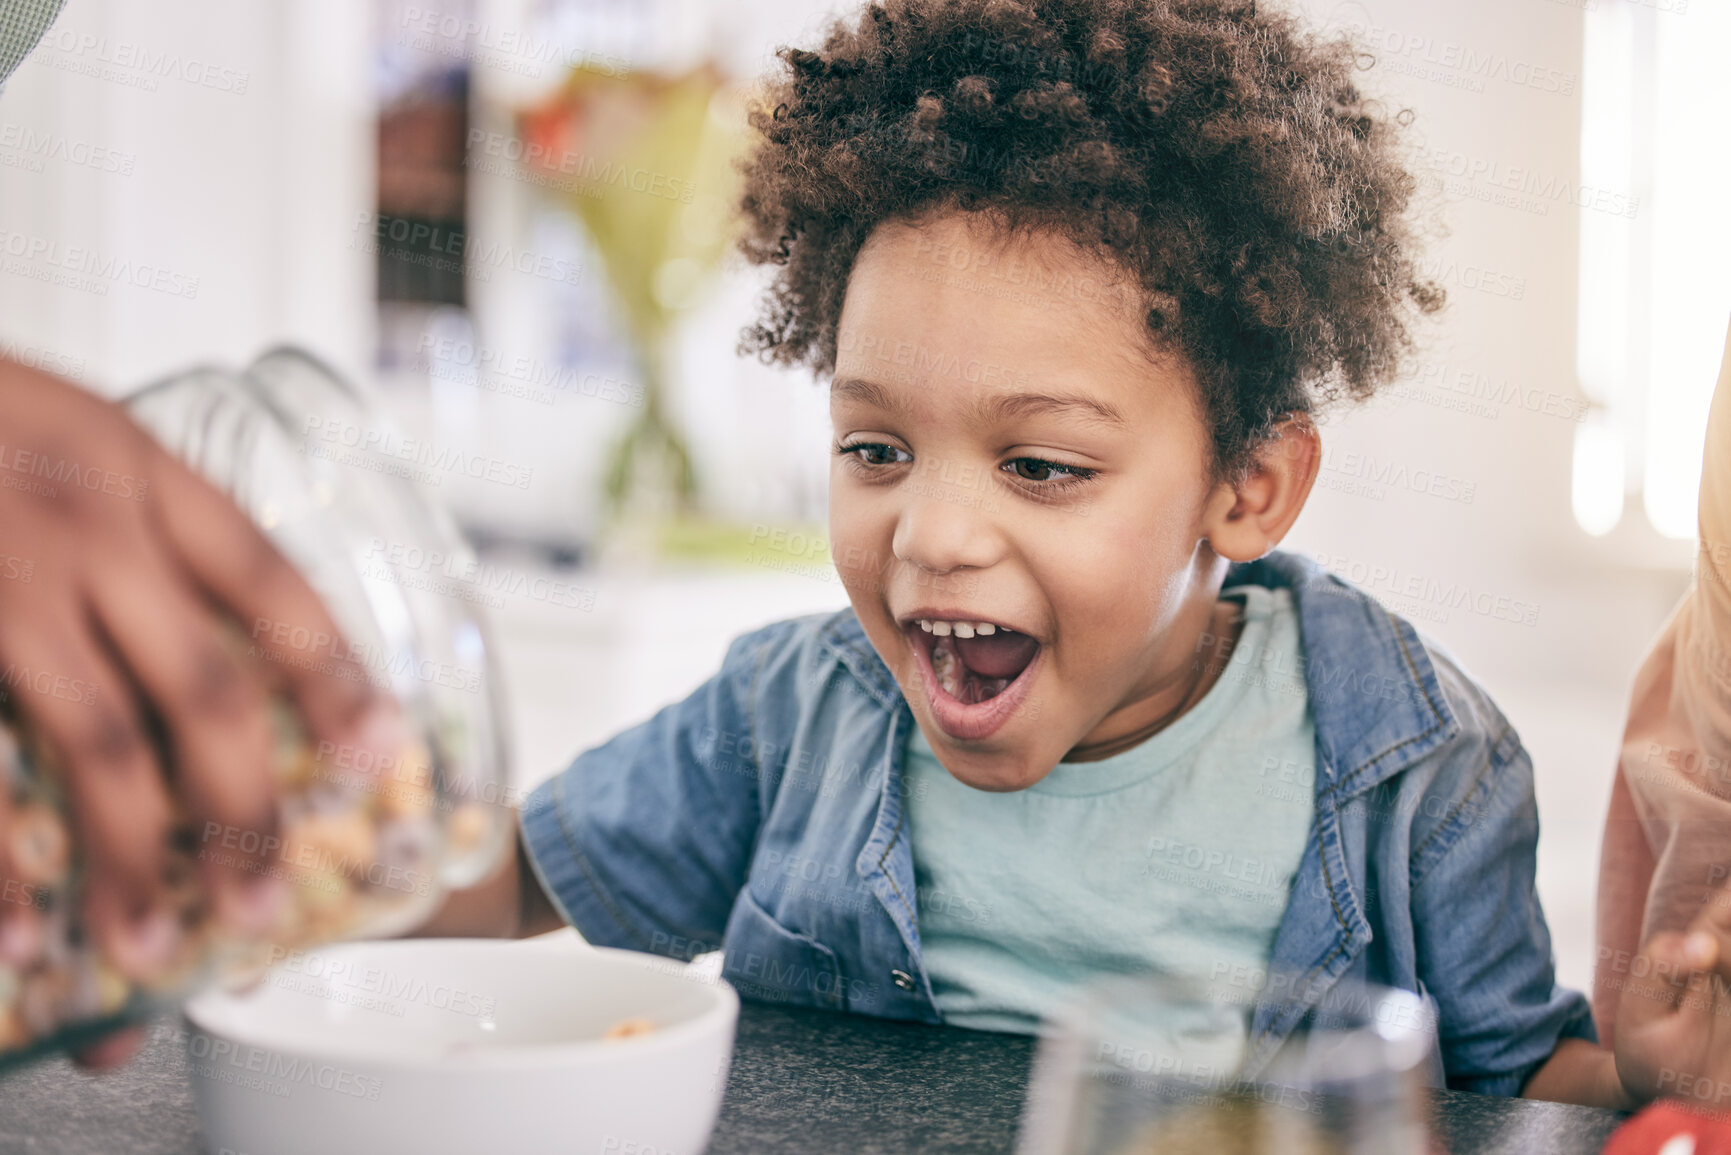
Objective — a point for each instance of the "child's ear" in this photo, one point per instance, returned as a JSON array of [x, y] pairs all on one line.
[[1247, 518]]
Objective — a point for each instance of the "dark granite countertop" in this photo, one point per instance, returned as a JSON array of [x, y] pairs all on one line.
[[802, 1081], [810, 1081]]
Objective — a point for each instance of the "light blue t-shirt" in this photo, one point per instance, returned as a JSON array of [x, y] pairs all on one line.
[[1176, 855]]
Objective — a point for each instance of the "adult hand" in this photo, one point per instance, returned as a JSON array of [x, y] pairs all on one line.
[[116, 564], [1673, 1034]]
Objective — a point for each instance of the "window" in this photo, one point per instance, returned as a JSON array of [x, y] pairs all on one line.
[[1655, 289]]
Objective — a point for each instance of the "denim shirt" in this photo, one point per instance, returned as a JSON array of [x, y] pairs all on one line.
[[762, 816]]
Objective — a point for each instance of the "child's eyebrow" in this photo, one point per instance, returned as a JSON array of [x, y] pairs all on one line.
[[987, 409]]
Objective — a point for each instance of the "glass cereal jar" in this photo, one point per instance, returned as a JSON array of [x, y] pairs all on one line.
[[367, 844]]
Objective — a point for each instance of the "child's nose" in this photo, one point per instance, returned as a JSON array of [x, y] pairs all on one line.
[[944, 528]]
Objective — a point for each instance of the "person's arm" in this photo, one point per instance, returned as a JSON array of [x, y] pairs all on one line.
[[1669, 818], [1659, 1006], [1483, 947], [1581, 1072], [1706, 682], [508, 904], [644, 841], [1626, 868]]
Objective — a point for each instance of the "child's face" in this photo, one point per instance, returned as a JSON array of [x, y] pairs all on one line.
[[1083, 527]]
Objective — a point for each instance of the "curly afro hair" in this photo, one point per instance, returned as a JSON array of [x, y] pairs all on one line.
[[1220, 155]]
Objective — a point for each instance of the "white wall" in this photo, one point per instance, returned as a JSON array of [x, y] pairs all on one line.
[[243, 139], [1495, 86]]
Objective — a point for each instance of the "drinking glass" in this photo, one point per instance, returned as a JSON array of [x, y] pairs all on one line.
[[1139, 1064]]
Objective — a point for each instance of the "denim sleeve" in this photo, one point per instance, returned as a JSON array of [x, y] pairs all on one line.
[[644, 841], [1484, 950]]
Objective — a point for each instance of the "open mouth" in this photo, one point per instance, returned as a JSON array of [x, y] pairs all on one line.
[[976, 672], [977, 664]]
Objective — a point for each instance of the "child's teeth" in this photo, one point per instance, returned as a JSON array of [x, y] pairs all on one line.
[[960, 629]]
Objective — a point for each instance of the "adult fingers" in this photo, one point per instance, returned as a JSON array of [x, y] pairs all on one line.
[[83, 709], [219, 726], [282, 615], [1656, 984], [1677, 1008], [1707, 943]]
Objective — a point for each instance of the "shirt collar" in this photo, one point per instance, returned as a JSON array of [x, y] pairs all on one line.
[[1374, 694], [844, 637]]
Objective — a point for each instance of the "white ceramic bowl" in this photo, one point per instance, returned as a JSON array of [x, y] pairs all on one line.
[[462, 1046]]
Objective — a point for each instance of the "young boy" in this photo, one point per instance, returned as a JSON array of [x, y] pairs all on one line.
[[1080, 271]]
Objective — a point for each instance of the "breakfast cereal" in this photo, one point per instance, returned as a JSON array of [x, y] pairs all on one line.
[[354, 846]]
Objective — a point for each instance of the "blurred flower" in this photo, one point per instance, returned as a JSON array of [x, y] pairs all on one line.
[[645, 160]]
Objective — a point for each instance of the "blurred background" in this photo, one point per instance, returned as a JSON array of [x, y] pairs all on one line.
[[509, 219]]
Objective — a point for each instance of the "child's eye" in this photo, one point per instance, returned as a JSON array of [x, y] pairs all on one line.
[[874, 453], [1038, 469]]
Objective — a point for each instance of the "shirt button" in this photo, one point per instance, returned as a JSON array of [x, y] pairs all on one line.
[[903, 980]]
